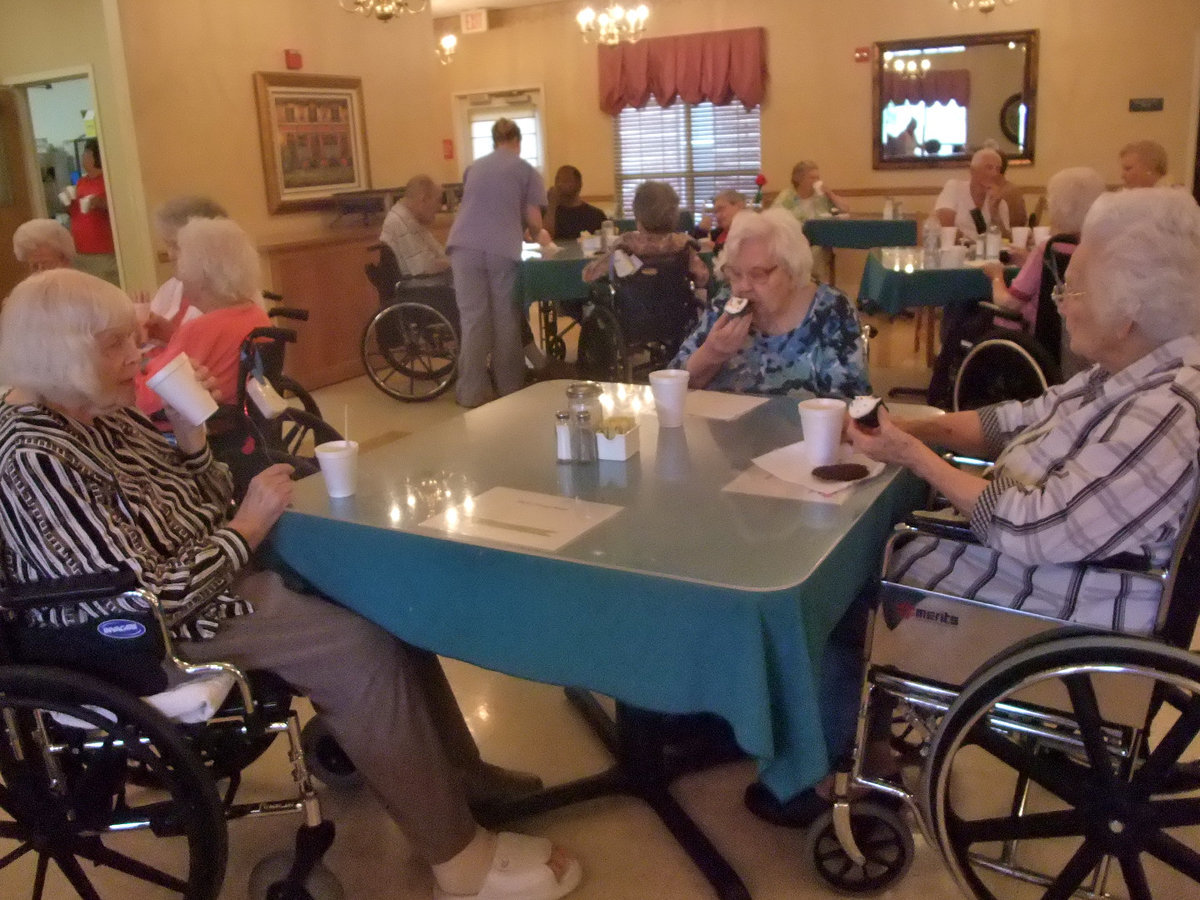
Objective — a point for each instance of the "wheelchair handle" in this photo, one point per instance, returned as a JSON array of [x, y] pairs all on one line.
[[272, 296], [288, 335]]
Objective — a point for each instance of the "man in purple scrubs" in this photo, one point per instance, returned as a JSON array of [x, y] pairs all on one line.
[[502, 197]]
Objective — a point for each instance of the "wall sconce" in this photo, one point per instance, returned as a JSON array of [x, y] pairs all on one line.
[[445, 49]]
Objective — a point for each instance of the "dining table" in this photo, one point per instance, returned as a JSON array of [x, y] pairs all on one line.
[[676, 591]]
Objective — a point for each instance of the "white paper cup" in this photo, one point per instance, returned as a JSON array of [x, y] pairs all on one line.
[[64, 197], [1020, 237], [1041, 234], [179, 388], [339, 467], [669, 387], [949, 235], [85, 204], [821, 421], [953, 257]]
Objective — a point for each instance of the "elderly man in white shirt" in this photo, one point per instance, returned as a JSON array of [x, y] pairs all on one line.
[[406, 229], [960, 199]]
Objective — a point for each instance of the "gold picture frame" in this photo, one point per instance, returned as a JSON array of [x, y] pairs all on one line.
[[314, 138]]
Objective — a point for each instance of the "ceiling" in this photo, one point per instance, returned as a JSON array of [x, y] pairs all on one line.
[[441, 8]]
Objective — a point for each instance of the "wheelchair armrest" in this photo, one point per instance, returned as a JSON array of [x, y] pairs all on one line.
[[71, 589], [288, 312], [944, 523], [1001, 312]]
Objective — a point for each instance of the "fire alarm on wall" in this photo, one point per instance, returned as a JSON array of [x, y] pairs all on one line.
[[292, 59], [862, 54]]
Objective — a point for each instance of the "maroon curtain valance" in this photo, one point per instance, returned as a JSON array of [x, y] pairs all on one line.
[[937, 86], [718, 66]]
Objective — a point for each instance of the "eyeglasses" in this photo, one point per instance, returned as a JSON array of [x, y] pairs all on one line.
[[1060, 293], [754, 276]]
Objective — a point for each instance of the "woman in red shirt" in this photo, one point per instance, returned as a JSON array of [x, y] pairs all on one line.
[[90, 224]]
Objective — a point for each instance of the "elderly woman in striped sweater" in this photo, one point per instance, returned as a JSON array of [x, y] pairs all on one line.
[[87, 485]]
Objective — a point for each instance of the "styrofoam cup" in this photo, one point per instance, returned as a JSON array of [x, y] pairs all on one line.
[[1041, 234], [1020, 237], [953, 257], [179, 388], [85, 204], [949, 235], [339, 467], [821, 421], [669, 387]]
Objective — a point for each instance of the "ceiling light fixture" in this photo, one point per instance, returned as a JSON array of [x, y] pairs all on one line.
[[984, 6], [612, 24], [383, 10]]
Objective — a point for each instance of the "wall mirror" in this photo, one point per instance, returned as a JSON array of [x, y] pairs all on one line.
[[938, 100]]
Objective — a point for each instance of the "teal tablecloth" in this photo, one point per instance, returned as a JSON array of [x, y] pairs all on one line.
[[690, 599], [861, 234], [557, 278], [893, 287]]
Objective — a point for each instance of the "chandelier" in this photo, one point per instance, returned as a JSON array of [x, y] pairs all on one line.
[[445, 49], [907, 68], [383, 10], [612, 24], [984, 6]]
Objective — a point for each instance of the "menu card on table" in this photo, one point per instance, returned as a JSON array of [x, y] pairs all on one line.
[[524, 518]]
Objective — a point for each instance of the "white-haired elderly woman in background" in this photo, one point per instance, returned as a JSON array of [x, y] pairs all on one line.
[[1070, 193], [88, 485], [797, 335], [1101, 465], [168, 307], [220, 273], [43, 244]]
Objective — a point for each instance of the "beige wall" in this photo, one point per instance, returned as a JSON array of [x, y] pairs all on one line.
[[1095, 55]]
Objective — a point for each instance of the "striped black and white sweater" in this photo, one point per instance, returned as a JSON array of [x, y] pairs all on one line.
[[79, 499]]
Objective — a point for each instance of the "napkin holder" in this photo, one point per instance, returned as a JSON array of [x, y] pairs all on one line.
[[620, 447]]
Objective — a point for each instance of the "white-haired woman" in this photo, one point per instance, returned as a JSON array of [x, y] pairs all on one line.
[[797, 335], [1070, 194], [43, 244], [219, 270], [1102, 465], [168, 307], [87, 485]]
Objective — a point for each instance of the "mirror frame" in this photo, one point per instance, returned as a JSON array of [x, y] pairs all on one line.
[[1029, 91]]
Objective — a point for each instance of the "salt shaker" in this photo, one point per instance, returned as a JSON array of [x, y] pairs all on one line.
[[562, 433]]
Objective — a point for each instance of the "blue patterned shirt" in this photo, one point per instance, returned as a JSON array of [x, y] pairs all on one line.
[[822, 355]]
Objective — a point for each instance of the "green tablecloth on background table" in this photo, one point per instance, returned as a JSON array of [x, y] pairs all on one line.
[[860, 234], [892, 290]]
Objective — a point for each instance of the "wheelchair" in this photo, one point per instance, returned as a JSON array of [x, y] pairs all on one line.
[[636, 324], [247, 437], [1000, 364], [409, 349], [1049, 753], [98, 781]]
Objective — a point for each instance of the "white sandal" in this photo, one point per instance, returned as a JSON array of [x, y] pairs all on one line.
[[519, 871]]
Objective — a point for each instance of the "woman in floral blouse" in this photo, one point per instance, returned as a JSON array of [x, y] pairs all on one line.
[[796, 335]]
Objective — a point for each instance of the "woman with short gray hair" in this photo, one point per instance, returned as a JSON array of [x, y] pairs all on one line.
[[43, 244], [168, 307], [773, 330], [656, 211]]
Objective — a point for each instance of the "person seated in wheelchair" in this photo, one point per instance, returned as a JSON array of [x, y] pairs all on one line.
[[88, 486], [1102, 465], [794, 335], [1070, 194], [656, 211], [406, 230], [219, 270]]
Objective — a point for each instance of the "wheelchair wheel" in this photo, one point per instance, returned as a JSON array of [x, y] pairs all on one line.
[[601, 354], [325, 757], [67, 744], [1072, 802], [410, 351], [289, 389], [883, 837], [1001, 368], [299, 431]]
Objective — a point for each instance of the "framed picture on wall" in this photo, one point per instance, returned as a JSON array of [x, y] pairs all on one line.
[[314, 139]]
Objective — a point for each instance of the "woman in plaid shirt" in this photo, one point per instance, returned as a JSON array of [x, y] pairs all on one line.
[[1102, 465]]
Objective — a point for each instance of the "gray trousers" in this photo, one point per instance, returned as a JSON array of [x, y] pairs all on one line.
[[484, 284], [387, 703]]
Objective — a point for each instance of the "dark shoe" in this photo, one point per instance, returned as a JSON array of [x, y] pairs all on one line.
[[804, 808]]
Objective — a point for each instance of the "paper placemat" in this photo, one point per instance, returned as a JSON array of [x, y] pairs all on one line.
[[763, 484], [790, 464], [720, 406], [523, 518]]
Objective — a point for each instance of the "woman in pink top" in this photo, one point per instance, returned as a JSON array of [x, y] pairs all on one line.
[[219, 269], [1070, 193]]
